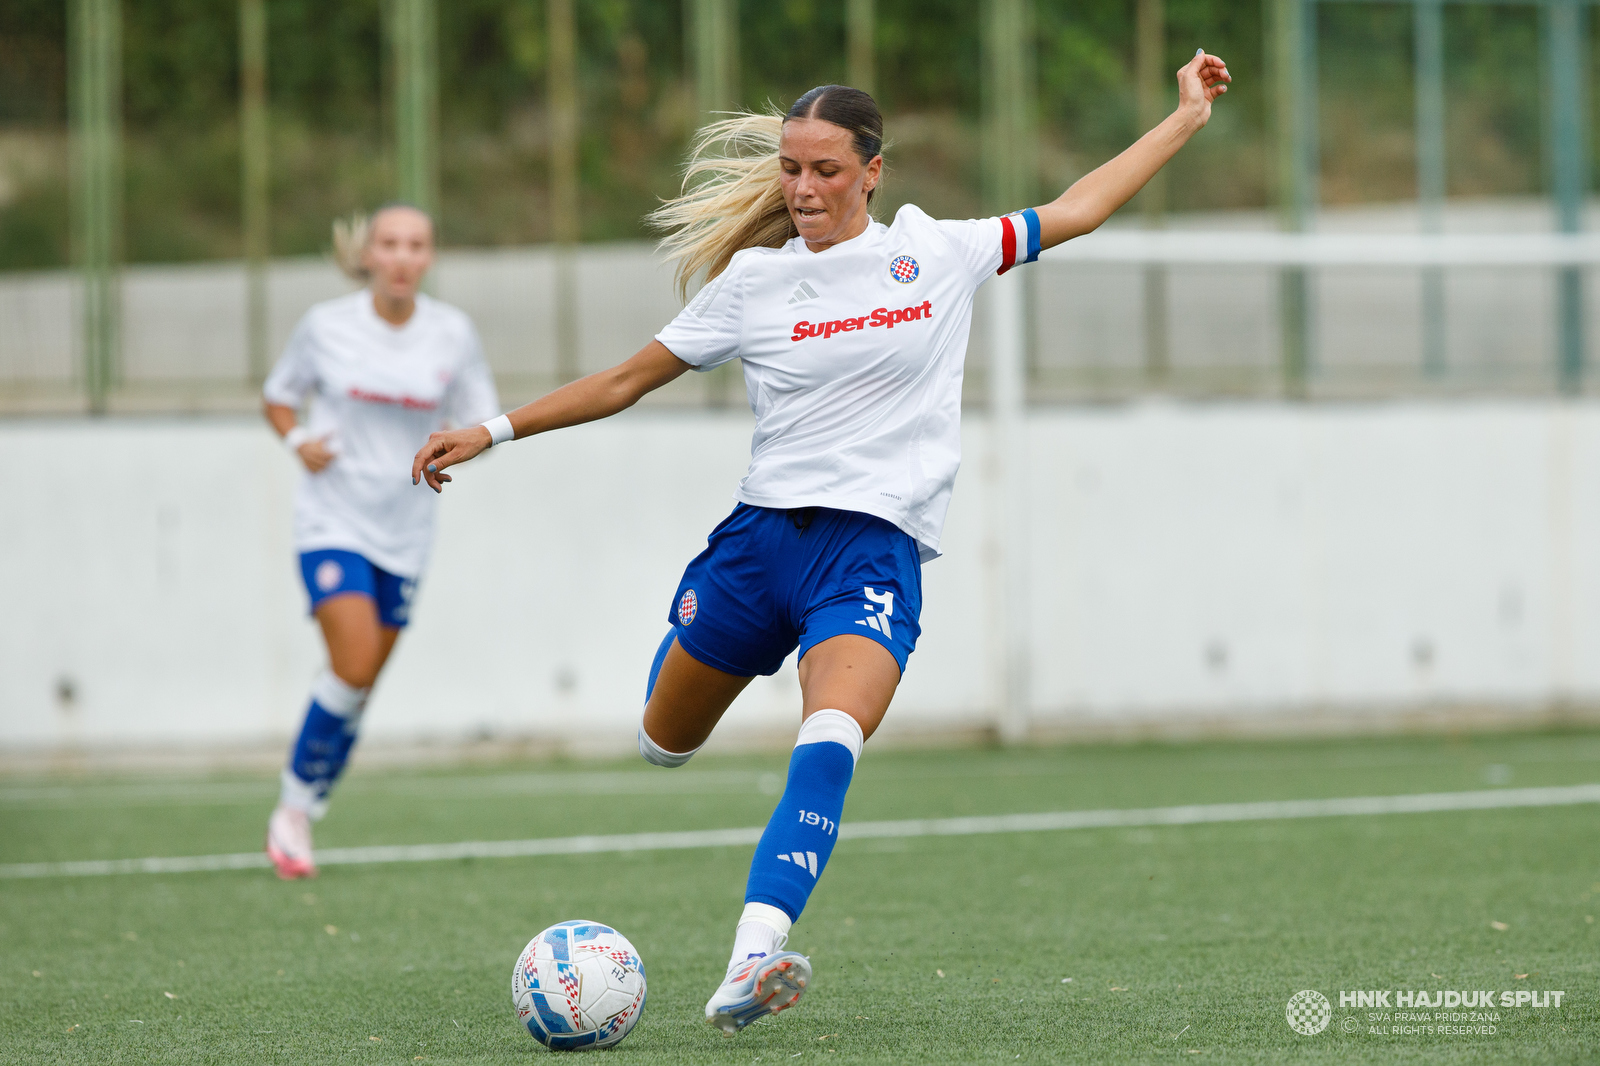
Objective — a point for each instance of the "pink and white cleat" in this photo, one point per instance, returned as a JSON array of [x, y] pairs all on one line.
[[758, 987], [289, 843]]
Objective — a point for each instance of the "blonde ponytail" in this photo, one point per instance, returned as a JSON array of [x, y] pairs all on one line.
[[731, 198], [350, 237]]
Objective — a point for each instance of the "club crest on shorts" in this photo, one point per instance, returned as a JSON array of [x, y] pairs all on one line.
[[904, 269], [329, 574], [687, 606]]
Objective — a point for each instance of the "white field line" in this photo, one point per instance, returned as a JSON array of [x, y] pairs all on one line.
[[640, 782], [1198, 814]]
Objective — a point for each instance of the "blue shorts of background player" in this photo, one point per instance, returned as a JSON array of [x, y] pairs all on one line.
[[771, 580], [335, 572]]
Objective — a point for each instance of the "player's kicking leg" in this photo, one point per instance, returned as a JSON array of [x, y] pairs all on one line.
[[762, 978], [842, 671], [680, 713]]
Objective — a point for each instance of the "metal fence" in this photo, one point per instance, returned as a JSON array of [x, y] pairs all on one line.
[[110, 337], [1084, 314]]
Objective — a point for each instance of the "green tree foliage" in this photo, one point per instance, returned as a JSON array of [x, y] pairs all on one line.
[[33, 147]]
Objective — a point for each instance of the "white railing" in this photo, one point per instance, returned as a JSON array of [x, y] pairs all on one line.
[[1084, 321], [1173, 247]]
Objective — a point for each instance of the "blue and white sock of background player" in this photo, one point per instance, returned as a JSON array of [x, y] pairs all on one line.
[[800, 837], [323, 747]]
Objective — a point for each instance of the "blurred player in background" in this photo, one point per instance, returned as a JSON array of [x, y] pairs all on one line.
[[383, 367], [853, 336]]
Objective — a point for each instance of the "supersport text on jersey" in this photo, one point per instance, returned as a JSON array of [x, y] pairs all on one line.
[[858, 404], [881, 317], [376, 393]]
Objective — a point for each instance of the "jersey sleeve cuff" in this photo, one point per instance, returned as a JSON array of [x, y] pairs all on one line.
[[280, 397]]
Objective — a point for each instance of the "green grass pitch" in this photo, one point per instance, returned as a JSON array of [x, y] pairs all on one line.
[[1182, 943]]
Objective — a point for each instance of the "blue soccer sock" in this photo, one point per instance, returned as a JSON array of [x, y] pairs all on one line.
[[801, 834], [323, 747]]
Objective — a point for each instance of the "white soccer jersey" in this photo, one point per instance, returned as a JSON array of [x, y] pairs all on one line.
[[378, 391], [853, 360]]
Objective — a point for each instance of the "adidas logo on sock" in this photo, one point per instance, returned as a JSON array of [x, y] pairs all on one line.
[[802, 859], [803, 293]]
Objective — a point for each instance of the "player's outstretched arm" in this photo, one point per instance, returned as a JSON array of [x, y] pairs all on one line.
[[1095, 196], [584, 400]]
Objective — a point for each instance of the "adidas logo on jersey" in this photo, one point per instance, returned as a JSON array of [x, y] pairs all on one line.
[[802, 859], [878, 619], [803, 293]]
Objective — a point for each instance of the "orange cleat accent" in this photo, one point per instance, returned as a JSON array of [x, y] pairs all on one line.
[[756, 988]]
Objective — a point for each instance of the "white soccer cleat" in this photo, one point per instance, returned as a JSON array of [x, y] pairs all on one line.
[[758, 987], [289, 843]]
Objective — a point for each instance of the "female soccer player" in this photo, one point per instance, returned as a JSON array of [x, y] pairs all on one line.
[[852, 335], [384, 367]]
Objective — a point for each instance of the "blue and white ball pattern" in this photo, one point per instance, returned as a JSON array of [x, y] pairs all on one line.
[[578, 985]]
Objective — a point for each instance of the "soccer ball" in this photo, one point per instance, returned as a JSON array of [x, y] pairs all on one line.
[[578, 985]]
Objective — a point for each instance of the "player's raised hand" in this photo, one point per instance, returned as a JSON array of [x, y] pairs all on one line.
[[1200, 81], [444, 449]]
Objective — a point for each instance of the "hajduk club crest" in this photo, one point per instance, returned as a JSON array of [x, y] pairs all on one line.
[[904, 269], [687, 606]]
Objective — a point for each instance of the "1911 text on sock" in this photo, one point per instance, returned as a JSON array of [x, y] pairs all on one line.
[[813, 818]]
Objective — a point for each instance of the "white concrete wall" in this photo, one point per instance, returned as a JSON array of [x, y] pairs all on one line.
[[1193, 563]]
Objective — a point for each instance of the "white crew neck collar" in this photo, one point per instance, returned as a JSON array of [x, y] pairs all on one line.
[[369, 306], [874, 228]]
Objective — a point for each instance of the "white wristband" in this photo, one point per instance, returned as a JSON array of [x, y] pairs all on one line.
[[296, 437], [500, 430]]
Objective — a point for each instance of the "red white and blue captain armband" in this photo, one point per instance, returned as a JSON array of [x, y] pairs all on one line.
[[1019, 239]]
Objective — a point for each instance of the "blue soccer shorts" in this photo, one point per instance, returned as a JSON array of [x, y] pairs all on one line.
[[772, 580], [334, 572]]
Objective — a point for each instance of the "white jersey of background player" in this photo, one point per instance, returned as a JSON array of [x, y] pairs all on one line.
[[853, 459], [382, 368]]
